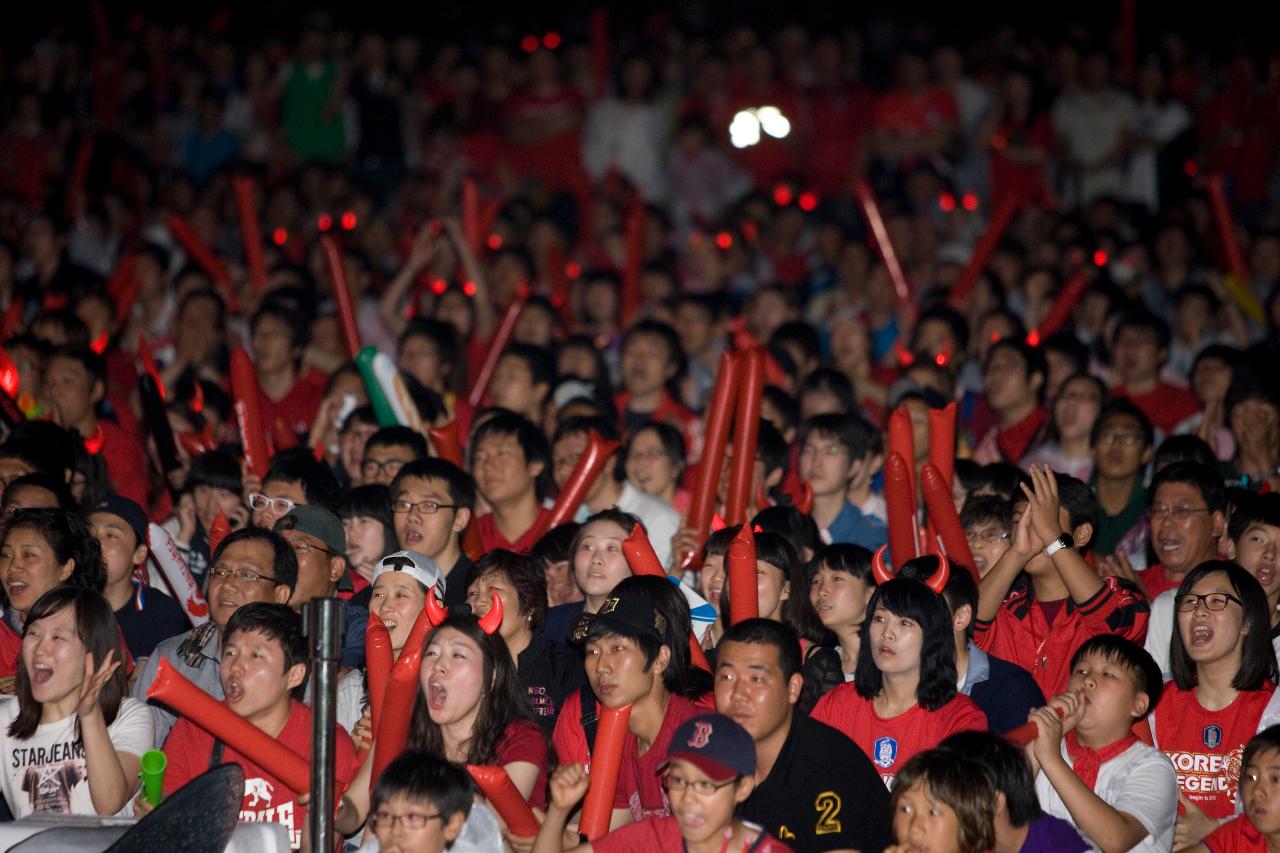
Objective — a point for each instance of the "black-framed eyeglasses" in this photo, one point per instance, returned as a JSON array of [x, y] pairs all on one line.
[[1214, 601], [701, 787], [413, 820], [222, 573], [373, 468], [424, 507]]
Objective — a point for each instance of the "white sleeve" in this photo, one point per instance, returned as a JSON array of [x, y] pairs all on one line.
[[133, 731], [1160, 630], [1149, 792]]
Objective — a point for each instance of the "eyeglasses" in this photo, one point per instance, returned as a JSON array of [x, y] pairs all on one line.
[[1124, 439], [371, 468], [990, 536], [646, 455], [413, 820], [1212, 601], [302, 547], [424, 507], [259, 501], [825, 450], [702, 787], [222, 573], [1177, 513]]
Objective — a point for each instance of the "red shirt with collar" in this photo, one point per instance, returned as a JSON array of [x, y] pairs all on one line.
[[1236, 836], [1020, 634], [491, 538], [1156, 580], [1014, 441], [1165, 406], [127, 465], [297, 409]]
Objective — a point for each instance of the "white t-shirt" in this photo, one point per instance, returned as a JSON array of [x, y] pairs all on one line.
[[350, 707], [47, 772], [1139, 781]]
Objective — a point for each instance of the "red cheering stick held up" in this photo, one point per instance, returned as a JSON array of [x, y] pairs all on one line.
[[591, 465], [250, 230], [871, 211], [606, 761], [221, 530], [199, 253], [378, 657], [506, 800], [445, 440], [248, 409], [341, 294], [942, 440], [122, 287], [471, 217], [901, 506], [1061, 309], [944, 518], [746, 431], [632, 299], [1238, 283], [149, 365], [472, 546], [9, 378], [1005, 211], [1027, 732], [702, 504], [171, 688], [640, 555], [740, 570], [399, 695], [496, 346]]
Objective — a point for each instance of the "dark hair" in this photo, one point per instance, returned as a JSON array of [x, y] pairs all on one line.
[[1257, 657], [1250, 381], [554, 546], [1264, 741], [1142, 320], [956, 325], [766, 632], [284, 561], [51, 483], [444, 337], [681, 677], [833, 382], [784, 405], [913, 600], [846, 557], [964, 785], [987, 508], [216, 469], [502, 703], [372, 501], [801, 335], [299, 465], [421, 777], [541, 364], [69, 539], [1205, 480], [717, 544], [295, 324], [1008, 768], [771, 447], [670, 437], [526, 575], [962, 589], [797, 610], [1080, 503], [277, 622], [1004, 478], [1121, 407], [399, 436], [851, 430], [791, 524], [1131, 656], [97, 629], [1032, 359], [1068, 345], [583, 424], [532, 441], [1255, 509], [92, 363], [623, 519], [459, 484], [675, 352], [1183, 448]]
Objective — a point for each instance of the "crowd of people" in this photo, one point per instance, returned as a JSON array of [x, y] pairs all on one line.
[[546, 244]]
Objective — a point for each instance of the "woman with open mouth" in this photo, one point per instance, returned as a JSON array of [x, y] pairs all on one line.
[[71, 738]]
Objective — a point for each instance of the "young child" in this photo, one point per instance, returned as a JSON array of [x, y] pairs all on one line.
[[904, 698], [263, 670], [1258, 829], [709, 770], [1120, 793], [944, 803], [413, 792], [1223, 690], [1066, 602]]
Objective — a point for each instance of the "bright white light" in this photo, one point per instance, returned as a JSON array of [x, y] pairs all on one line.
[[774, 122], [744, 130]]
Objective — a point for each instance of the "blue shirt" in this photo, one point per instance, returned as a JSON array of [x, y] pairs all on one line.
[[853, 527]]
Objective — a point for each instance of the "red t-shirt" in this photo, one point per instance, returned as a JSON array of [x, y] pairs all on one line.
[[1236, 836], [10, 649], [1015, 440], [189, 749], [524, 741], [663, 833], [491, 538], [1166, 406], [297, 409], [1206, 746], [126, 463], [1155, 579], [890, 743]]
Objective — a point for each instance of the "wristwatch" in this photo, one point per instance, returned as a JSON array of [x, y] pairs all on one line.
[[1063, 541]]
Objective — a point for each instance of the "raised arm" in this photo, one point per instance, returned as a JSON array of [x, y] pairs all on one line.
[[112, 773]]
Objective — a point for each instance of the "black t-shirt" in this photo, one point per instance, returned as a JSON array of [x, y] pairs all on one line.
[[149, 617], [822, 794], [548, 673]]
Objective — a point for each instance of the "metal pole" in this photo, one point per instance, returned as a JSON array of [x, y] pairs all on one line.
[[322, 624]]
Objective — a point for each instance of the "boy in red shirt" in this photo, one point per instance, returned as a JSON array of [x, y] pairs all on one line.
[[1139, 348], [1039, 627], [263, 671], [509, 456], [1013, 379], [1258, 829]]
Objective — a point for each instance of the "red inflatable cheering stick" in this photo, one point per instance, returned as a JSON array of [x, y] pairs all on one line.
[[445, 440], [606, 761], [341, 294], [715, 438], [740, 568], [244, 390], [506, 799], [944, 518], [1027, 732], [220, 529], [496, 346], [171, 688], [942, 440], [250, 230], [640, 555], [746, 430], [378, 657], [402, 689], [903, 539], [597, 454]]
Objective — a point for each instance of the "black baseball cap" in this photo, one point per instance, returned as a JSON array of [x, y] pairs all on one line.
[[128, 511], [630, 616]]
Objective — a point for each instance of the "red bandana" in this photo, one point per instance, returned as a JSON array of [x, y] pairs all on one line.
[[1086, 761]]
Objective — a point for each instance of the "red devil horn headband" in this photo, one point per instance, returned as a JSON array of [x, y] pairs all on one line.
[[936, 582]]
